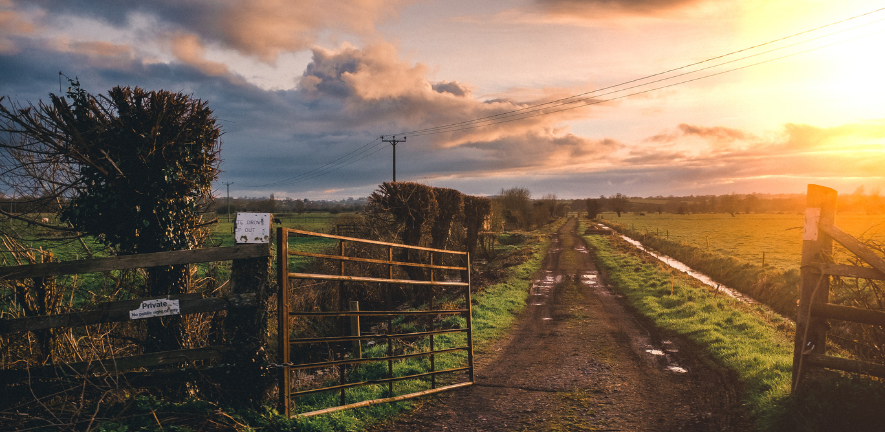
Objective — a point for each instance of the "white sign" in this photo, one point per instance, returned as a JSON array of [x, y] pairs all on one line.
[[155, 308], [812, 220], [253, 228]]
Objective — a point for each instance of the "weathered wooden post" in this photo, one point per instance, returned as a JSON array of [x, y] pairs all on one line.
[[246, 328], [811, 333]]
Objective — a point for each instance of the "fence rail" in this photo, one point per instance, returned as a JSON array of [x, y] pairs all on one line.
[[814, 308], [119, 311]]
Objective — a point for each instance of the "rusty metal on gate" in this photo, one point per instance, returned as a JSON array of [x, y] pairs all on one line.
[[420, 258]]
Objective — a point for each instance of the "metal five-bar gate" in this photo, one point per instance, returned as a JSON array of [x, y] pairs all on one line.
[[419, 330]]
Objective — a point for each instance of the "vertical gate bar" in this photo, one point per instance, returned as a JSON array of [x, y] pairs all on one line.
[[430, 317], [342, 306], [389, 321], [469, 318], [342, 290], [283, 318], [355, 329], [342, 370]]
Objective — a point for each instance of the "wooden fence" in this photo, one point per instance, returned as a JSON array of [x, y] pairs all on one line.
[[814, 308], [248, 286]]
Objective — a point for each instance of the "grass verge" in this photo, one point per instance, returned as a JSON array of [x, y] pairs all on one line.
[[495, 309], [775, 288], [745, 339]]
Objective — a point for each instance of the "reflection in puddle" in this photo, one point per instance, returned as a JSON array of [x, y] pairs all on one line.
[[688, 270], [655, 352], [676, 369]]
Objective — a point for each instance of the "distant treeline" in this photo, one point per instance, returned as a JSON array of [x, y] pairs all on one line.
[[287, 205], [856, 202]]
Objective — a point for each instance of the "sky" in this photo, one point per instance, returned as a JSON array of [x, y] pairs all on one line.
[[577, 98]]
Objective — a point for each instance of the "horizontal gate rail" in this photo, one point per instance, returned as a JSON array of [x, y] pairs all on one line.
[[380, 313], [374, 261], [374, 280], [379, 381], [388, 400], [374, 242], [851, 271], [374, 337], [847, 313], [847, 365], [375, 359], [424, 261]]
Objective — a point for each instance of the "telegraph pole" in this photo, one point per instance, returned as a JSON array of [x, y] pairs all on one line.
[[228, 198], [393, 141]]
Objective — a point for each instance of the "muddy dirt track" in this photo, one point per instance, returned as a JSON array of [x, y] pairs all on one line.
[[579, 360]]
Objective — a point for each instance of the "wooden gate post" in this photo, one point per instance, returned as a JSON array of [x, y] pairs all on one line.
[[811, 333], [246, 329]]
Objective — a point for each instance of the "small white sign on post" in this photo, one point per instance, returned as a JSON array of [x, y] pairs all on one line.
[[253, 228], [155, 308], [812, 220]]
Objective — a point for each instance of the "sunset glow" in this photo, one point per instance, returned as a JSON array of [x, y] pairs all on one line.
[[304, 89]]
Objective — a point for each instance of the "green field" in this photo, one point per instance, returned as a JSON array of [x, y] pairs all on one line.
[[746, 236], [747, 339]]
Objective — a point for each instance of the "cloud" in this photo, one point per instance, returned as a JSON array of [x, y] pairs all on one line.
[[717, 134], [607, 8], [260, 28], [453, 88], [188, 49], [797, 153], [12, 24], [373, 86], [803, 136]]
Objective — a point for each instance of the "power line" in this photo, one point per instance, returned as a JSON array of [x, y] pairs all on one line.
[[581, 100], [321, 169], [574, 99], [580, 103]]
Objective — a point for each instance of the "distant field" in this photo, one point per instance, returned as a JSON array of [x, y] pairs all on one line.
[[746, 236], [316, 222]]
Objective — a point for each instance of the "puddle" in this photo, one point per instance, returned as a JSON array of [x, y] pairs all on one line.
[[537, 304], [676, 369], [547, 319], [655, 352]]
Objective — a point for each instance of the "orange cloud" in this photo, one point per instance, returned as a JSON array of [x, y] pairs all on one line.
[[265, 28], [188, 49]]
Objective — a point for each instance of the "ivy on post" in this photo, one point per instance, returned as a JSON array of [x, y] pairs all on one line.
[[249, 378]]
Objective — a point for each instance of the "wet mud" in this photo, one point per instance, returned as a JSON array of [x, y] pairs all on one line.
[[579, 359]]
